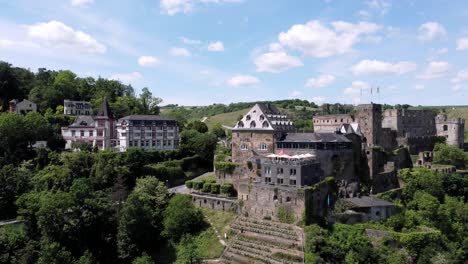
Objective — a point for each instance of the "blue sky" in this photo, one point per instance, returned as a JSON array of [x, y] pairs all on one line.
[[198, 52]]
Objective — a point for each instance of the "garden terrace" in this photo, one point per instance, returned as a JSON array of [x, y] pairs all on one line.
[[264, 241]]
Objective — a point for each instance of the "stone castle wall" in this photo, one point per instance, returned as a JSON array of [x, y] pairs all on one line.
[[410, 123], [369, 117], [330, 123], [452, 129], [246, 143]]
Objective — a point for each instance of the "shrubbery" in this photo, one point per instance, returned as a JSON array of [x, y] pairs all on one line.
[[215, 188]]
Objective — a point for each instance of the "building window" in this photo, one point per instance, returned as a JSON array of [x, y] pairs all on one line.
[[148, 134], [267, 179], [82, 133], [123, 134], [73, 133], [147, 143], [247, 118], [99, 143], [100, 133], [130, 143], [158, 143], [253, 124], [279, 171], [263, 146], [292, 171], [91, 133], [240, 124], [159, 134], [265, 124], [101, 123], [445, 127], [153, 143], [267, 170], [279, 181], [243, 147], [292, 182]]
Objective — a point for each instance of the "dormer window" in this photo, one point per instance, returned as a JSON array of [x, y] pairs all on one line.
[[265, 124], [262, 117], [253, 124], [247, 118], [240, 124]]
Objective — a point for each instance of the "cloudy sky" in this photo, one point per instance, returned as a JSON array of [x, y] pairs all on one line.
[[198, 52]]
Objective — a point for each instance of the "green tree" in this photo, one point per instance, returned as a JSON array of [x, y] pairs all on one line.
[[198, 126], [450, 155], [148, 103], [187, 251], [181, 217], [141, 219], [218, 130], [13, 183]]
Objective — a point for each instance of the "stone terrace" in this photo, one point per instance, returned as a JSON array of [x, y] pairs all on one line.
[[264, 241]]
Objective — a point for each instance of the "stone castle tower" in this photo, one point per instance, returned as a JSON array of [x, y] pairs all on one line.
[[369, 117], [452, 129]]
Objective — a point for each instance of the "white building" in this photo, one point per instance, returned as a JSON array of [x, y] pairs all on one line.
[[22, 107], [77, 107], [98, 130], [148, 132]]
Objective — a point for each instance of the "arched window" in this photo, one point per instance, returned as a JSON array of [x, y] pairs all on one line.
[[263, 146], [253, 124], [240, 124], [265, 124], [262, 118], [445, 127], [247, 117]]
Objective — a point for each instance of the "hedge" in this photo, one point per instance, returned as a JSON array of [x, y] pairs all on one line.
[[189, 184], [197, 185], [215, 188], [227, 188], [206, 187], [165, 173]]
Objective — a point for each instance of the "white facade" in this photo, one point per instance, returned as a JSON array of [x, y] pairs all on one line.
[[77, 108], [147, 132]]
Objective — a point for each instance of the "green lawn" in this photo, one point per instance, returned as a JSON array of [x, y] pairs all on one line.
[[208, 244], [219, 219], [227, 119]]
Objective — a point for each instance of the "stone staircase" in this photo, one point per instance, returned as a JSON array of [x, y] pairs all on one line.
[[264, 241]]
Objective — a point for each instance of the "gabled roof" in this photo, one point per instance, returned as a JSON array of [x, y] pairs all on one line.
[[146, 118], [82, 121], [264, 117], [104, 109]]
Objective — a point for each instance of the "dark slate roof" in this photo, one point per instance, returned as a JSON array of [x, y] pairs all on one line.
[[269, 109], [367, 201], [104, 109], [83, 121], [146, 118], [314, 137]]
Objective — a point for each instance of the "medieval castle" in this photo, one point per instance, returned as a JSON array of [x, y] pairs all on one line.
[[346, 156]]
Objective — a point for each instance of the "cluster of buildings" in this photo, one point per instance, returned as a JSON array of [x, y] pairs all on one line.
[[277, 167], [103, 131]]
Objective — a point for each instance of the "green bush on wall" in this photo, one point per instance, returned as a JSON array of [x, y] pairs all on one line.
[[189, 184], [215, 188], [206, 187], [197, 185], [227, 188]]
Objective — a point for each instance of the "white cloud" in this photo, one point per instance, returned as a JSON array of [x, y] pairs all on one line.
[[364, 15], [356, 88], [275, 47], [242, 80], [216, 46], [172, 7], [190, 41], [318, 100], [276, 62], [295, 94], [381, 6], [127, 77], [317, 40], [442, 51], [366, 67], [81, 2], [457, 87], [431, 30], [148, 61], [321, 81], [57, 35], [460, 77], [419, 87], [435, 69], [180, 52], [462, 44]]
